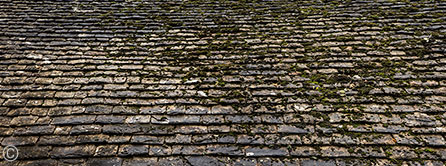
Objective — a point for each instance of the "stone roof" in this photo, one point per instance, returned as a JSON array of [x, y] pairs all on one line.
[[199, 82]]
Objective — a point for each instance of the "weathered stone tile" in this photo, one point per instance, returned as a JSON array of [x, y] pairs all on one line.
[[138, 161], [115, 87], [20, 140], [196, 109], [153, 110], [23, 120], [222, 110], [304, 151], [224, 150], [100, 80], [195, 129], [63, 80], [125, 110], [146, 139], [56, 140], [212, 119], [157, 150], [181, 119], [291, 129], [15, 102], [35, 130], [331, 151], [56, 111], [204, 160], [311, 162], [98, 109], [64, 94], [188, 150], [33, 152], [49, 162], [120, 129], [248, 139], [401, 152], [242, 119], [80, 119], [165, 161], [133, 150], [118, 139], [246, 161], [257, 152], [110, 119], [104, 161], [287, 140], [85, 129], [92, 101], [178, 139], [38, 94], [377, 139], [73, 151], [433, 140], [69, 102]]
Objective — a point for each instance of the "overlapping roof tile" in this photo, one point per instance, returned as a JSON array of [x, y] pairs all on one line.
[[194, 82]]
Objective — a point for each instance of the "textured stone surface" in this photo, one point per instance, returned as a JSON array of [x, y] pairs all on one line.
[[223, 82]]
